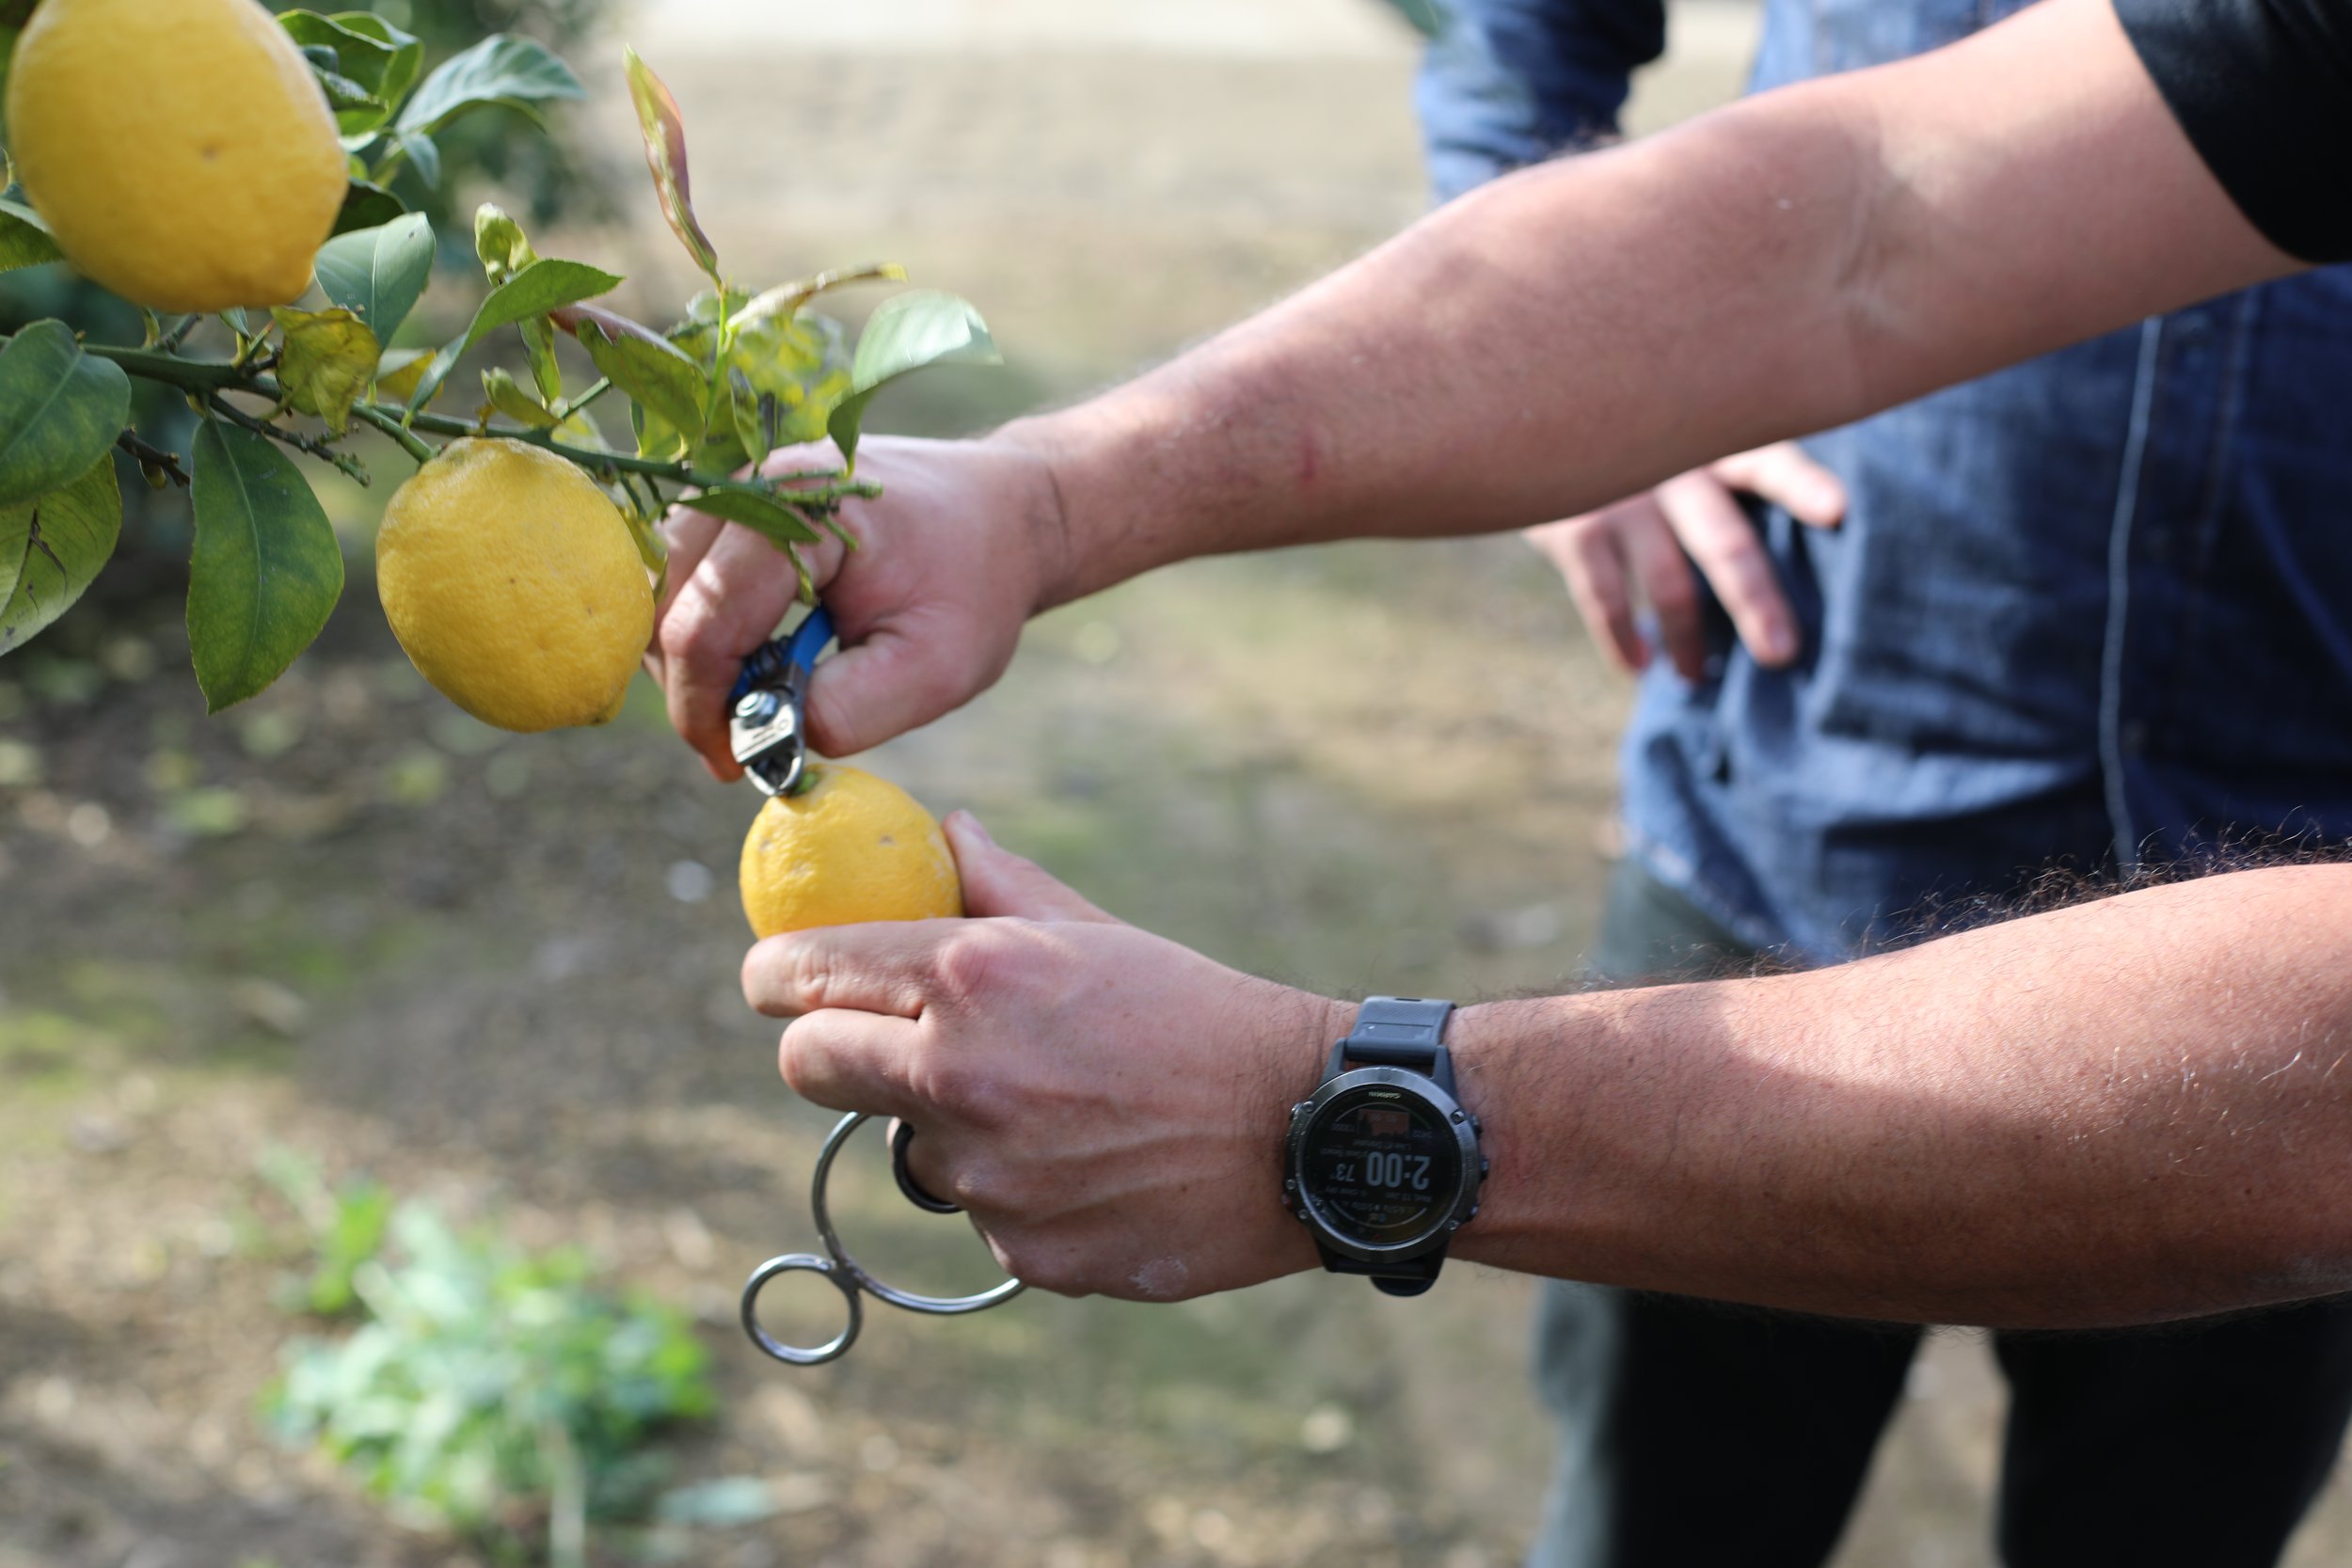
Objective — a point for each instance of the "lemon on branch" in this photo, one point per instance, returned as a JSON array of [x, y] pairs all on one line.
[[848, 849], [180, 151], [514, 586]]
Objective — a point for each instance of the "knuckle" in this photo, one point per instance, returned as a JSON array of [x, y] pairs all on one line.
[[973, 963]]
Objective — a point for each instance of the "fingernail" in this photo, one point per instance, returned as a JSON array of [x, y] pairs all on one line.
[[1780, 647], [971, 825]]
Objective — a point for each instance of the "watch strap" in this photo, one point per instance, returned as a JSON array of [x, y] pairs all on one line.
[[1408, 1277], [1398, 1031]]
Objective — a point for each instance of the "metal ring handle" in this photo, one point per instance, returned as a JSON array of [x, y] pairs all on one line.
[[937, 1307], [792, 1263], [901, 1135]]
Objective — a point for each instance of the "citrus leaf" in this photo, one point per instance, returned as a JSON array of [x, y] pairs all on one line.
[[537, 288], [756, 510], [907, 333], [507, 396], [266, 570], [653, 373], [367, 206], [24, 239], [12, 15], [328, 359], [408, 53], [539, 347], [356, 54], [664, 132], [501, 71], [379, 273], [423, 154], [61, 411], [355, 108], [50, 549]]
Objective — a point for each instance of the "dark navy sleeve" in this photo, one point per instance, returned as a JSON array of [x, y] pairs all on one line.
[[2263, 90], [1509, 83]]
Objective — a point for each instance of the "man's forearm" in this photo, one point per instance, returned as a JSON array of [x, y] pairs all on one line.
[[1580, 331], [2131, 1111]]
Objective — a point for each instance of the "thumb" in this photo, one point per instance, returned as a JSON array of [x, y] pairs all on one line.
[[999, 883]]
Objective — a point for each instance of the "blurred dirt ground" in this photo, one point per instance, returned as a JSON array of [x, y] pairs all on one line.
[[499, 972]]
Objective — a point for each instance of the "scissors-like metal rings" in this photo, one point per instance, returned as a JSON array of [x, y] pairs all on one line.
[[845, 1273]]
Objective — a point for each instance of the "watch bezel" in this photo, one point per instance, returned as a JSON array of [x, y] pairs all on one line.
[[1443, 1226]]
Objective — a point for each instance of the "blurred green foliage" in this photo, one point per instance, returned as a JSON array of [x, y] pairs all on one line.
[[545, 177], [490, 1389]]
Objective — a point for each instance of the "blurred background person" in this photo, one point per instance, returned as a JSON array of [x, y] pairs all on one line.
[[2092, 612]]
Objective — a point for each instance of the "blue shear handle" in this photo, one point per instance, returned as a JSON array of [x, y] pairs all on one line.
[[785, 659]]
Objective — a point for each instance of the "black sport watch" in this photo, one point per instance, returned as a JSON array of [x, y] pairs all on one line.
[[1382, 1163]]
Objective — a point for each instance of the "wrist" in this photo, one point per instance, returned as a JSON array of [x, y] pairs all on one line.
[[1102, 487]]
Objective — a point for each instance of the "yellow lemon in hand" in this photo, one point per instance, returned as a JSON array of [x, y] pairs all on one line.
[[514, 586], [849, 849], [180, 151]]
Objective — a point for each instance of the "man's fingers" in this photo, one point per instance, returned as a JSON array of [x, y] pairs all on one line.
[[1658, 564], [852, 1061], [1727, 548], [727, 605], [1588, 555], [1785, 476], [888, 967], [901, 675], [999, 883]]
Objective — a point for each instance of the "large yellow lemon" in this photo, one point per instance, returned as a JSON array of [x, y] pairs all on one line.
[[849, 849], [512, 583], [179, 149]]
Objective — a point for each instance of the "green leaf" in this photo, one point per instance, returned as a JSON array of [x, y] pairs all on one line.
[[266, 570], [355, 108], [539, 347], [12, 17], [423, 154], [328, 359], [501, 71], [406, 54], [507, 396], [537, 288], [61, 411], [379, 274], [757, 510], [653, 373], [24, 239], [50, 549], [907, 333], [367, 206], [664, 132]]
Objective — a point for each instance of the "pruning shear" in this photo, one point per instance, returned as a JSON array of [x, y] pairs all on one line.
[[767, 733]]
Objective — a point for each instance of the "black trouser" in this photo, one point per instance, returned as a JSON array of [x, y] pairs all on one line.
[[1694, 1434]]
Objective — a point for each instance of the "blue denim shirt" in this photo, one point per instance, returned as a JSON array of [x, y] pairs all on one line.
[[2095, 609]]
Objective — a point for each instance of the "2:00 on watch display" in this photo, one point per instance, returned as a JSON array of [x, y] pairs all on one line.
[[1381, 1166]]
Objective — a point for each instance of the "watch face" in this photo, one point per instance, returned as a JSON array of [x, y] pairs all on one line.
[[1381, 1166]]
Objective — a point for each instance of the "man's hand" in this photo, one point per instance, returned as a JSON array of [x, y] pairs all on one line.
[[1641, 544], [963, 547], [1110, 1107]]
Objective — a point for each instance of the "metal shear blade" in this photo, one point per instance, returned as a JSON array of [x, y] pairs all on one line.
[[768, 710]]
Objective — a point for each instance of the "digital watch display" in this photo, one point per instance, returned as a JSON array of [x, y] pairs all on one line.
[[1382, 1162], [1382, 1166]]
